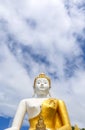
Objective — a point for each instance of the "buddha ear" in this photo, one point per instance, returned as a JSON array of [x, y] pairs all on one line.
[[49, 94], [49, 87], [34, 87]]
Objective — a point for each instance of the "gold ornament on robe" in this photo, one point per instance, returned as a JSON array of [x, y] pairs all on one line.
[[40, 125]]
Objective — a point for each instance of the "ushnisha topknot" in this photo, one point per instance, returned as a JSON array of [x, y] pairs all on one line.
[[42, 75]]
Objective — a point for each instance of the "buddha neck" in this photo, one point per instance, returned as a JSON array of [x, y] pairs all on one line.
[[42, 96]]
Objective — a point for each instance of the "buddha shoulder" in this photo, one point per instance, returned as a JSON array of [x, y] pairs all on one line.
[[61, 102]]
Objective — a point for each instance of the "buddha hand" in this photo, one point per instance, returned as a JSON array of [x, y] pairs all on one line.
[[66, 127]]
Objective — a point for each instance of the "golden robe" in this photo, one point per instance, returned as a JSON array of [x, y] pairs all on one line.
[[54, 114]]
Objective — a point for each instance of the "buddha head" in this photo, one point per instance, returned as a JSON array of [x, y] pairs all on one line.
[[42, 85]]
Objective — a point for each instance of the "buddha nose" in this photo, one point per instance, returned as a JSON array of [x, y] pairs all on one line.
[[42, 84]]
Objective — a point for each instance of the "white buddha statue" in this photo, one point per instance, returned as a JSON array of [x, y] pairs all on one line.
[[44, 113]]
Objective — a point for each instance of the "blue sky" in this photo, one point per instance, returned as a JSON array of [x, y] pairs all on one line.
[[5, 121], [42, 36]]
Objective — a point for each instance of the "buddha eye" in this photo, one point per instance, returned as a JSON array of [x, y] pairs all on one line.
[[38, 82]]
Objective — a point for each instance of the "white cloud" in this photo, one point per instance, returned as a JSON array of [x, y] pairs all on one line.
[[14, 81]]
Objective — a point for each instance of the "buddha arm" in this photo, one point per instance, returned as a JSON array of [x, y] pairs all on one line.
[[64, 116], [17, 122]]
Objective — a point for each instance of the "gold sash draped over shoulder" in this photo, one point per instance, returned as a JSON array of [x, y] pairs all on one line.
[[54, 115]]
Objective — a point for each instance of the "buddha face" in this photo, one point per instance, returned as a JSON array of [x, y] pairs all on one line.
[[42, 87]]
